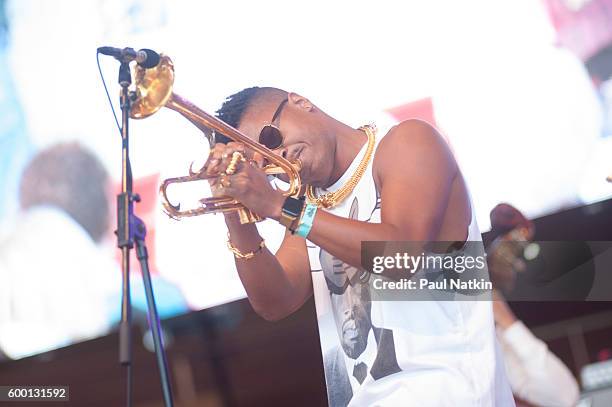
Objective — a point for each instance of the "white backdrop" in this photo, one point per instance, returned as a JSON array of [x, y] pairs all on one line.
[[519, 112]]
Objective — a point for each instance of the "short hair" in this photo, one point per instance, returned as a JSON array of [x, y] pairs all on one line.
[[71, 178], [235, 106]]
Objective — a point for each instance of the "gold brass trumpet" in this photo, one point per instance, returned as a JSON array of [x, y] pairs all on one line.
[[153, 90]]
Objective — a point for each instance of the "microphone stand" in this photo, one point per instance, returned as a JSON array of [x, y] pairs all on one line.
[[130, 230]]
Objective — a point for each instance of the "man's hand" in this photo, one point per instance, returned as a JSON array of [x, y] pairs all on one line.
[[505, 253], [248, 184], [505, 259]]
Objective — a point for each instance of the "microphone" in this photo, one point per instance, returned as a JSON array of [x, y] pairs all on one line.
[[146, 58]]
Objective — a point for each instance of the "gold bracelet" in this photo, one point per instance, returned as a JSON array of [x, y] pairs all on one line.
[[246, 256]]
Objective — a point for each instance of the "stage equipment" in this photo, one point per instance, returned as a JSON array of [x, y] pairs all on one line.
[[131, 231], [147, 58], [152, 91]]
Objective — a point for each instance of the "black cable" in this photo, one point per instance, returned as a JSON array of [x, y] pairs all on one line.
[[110, 102]]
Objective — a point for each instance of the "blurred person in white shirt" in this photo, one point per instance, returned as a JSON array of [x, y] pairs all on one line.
[[56, 277], [536, 375]]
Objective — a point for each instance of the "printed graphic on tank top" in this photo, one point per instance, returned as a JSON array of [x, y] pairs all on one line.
[[408, 353]]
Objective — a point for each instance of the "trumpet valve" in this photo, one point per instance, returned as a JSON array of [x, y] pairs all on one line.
[[247, 216], [237, 157]]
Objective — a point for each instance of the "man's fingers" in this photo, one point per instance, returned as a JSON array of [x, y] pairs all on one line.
[[257, 160], [230, 149], [233, 185], [214, 158], [235, 146], [220, 156]]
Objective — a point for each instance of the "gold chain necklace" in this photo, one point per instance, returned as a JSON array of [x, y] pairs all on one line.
[[331, 199]]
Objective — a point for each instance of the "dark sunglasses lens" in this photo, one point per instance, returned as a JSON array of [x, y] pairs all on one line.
[[270, 137]]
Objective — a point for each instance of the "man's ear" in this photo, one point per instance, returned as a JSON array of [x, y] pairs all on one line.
[[301, 102]]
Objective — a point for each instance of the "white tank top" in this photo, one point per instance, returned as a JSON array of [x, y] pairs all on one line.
[[400, 353]]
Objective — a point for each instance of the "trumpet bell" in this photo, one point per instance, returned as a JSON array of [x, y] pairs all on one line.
[[153, 88]]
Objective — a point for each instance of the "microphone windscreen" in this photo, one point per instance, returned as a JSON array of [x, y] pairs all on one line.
[[152, 58]]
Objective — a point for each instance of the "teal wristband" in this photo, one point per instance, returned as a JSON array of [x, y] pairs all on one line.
[[305, 224]]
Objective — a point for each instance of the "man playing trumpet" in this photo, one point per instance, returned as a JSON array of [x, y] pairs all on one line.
[[362, 186]]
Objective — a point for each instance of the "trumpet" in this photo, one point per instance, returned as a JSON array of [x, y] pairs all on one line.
[[153, 90]]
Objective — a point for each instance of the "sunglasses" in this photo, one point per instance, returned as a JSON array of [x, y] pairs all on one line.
[[270, 135]]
